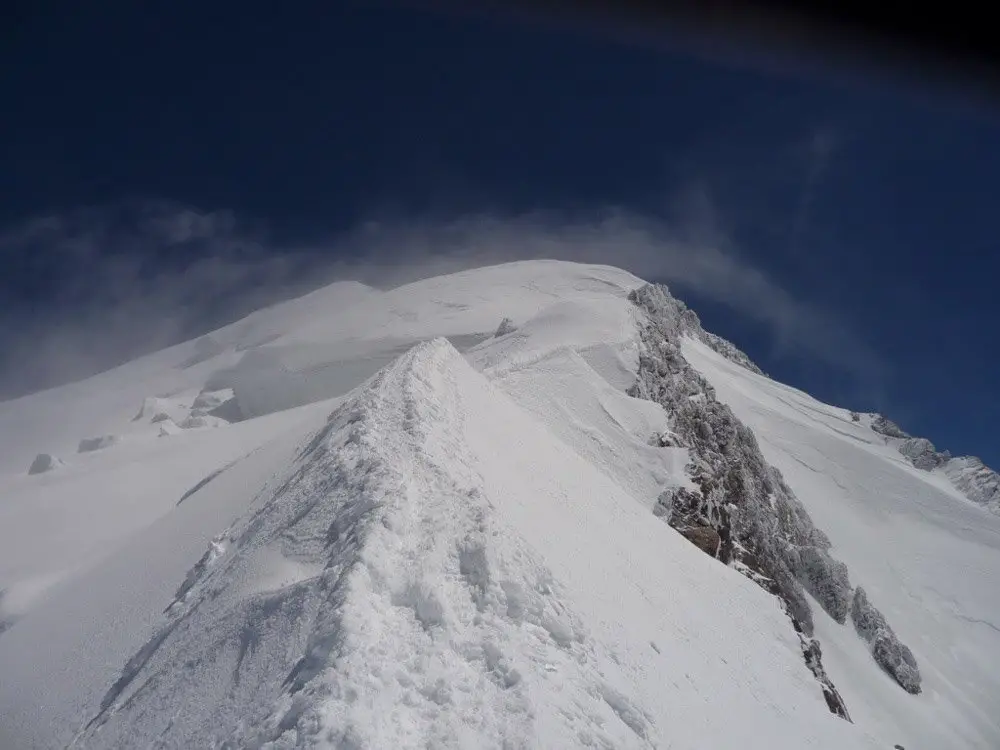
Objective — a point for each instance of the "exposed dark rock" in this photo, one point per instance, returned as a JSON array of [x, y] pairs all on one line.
[[704, 538], [855, 417], [506, 326], [44, 462], [814, 660], [890, 654]]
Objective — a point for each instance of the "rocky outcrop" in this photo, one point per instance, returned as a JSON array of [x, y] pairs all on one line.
[[922, 453], [887, 427], [969, 475], [44, 462], [506, 326], [763, 530], [823, 577], [975, 480], [894, 657], [813, 655], [725, 348]]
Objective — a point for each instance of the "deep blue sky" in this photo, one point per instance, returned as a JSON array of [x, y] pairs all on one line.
[[874, 205]]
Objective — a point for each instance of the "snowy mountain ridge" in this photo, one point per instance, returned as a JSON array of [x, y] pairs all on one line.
[[968, 474], [528, 505]]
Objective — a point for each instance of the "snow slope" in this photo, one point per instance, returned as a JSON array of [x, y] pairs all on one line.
[[410, 585], [400, 545], [929, 556]]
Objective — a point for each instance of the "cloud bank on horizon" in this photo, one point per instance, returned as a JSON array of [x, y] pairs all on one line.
[[92, 288]]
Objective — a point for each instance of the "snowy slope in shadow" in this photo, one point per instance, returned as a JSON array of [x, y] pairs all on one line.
[[436, 570], [926, 554]]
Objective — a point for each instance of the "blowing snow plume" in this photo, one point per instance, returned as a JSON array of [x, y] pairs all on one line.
[[138, 277]]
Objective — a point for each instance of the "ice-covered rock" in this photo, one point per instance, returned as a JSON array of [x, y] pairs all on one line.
[[726, 349], [975, 480], [814, 660], [922, 453], [885, 426], [96, 443], [893, 656], [825, 578], [44, 462], [763, 530]]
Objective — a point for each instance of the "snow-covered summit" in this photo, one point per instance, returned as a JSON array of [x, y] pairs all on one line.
[[455, 514]]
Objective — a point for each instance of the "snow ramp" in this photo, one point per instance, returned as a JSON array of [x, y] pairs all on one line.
[[437, 569]]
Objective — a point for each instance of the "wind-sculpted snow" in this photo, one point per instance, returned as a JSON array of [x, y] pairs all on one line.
[[762, 527]]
